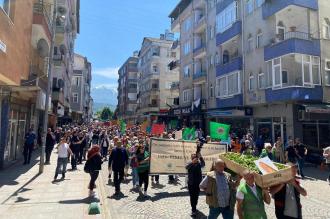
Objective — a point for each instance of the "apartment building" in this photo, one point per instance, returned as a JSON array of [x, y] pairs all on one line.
[[67, 28], [195, 21], [81, 90], [128, 88], [267, 66], [155, 97]]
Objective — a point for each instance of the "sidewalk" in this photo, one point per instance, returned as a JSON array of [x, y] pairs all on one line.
[[25, 194]]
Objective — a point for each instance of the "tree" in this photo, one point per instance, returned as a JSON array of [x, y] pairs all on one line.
[[105, 114]]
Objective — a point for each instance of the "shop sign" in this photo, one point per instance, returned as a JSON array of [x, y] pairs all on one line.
[[3, 47], [186, 110], [177, 111]]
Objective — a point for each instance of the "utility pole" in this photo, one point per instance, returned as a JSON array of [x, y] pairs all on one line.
[[48, 92]]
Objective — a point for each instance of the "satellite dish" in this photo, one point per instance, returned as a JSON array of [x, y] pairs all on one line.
[[61, 10], [43, 48], [60, 83]]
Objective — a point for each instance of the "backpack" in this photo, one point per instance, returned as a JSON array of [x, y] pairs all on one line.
[[87, 167]]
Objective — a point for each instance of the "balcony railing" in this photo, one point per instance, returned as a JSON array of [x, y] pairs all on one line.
[[199, 75], [199, 24], [41, 9], [175, 85]]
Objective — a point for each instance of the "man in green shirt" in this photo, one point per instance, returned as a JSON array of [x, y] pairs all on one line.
[[251, 198]]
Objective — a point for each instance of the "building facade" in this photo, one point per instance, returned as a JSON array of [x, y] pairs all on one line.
[[81, 90], [271, 61], [67, 28], [155, 97], [128, 89]]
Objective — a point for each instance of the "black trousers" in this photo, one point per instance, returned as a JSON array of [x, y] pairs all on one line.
[[81, 154], [118, 177], [27, 152], [170, 177], [94, 175], [194, 194], [74, 158], [104, 152], [144, 179], [280, 214], [48, 151], [156, 177]]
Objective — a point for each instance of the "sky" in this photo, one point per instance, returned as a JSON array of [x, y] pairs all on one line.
[[110, 30]]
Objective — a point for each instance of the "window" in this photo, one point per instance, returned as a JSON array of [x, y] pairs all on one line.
[[5, 5], [277, 72], [259, 42], [211, 91], [186, 48], [226, 18], [168, 85], [250, 44], [76, 81], [75, 97], [187, 24], [259, 3], [261, 81], [211, 32], [252, 82], [327, 72], [186, 96], [225, 57], [326, 29], [173, 54], [229, 85], [155, 69], [280, 31], [186, 71], [217, 58], [249, 6]]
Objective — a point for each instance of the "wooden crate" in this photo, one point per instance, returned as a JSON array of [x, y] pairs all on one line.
[[264, 181]]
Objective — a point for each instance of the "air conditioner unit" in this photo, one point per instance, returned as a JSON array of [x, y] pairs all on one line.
[[304, 116]]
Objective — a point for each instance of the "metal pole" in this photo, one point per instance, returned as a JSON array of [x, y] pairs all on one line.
[[50, 62]]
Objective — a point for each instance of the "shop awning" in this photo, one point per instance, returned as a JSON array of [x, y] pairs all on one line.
[[317, 108]]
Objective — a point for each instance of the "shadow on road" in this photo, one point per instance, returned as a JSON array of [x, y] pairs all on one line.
[[86, 200], [118, 196], [315, 173]]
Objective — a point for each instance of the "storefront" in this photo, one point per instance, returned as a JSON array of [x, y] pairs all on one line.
[[239, 120]]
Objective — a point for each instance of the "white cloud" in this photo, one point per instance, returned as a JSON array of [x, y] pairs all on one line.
[[105, 86], [110, 72]]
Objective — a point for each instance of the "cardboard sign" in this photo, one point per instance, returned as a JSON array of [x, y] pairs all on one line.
[[171, 156]]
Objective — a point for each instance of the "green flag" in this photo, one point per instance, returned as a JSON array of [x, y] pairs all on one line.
[[122, 126], [188, 134], [173, 124], [219, 131]]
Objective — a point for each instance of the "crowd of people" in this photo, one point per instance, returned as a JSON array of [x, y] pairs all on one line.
[[128, 152]]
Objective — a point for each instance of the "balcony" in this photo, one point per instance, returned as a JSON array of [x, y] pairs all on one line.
[[174, 64], [175, 86], [200, 25], [233, 101], [292, 42], [234, 30], [60, 29], [235, 64], [199, 77], [200, 51], [58, 96], [294, 94], [222, 4], [271, 7], [41, 16]]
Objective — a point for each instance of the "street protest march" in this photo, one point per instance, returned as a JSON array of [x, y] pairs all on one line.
[[171, 156]]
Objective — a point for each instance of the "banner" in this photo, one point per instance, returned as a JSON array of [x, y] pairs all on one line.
[[178, 135], [171, 156], [219, 131], [157, 129]]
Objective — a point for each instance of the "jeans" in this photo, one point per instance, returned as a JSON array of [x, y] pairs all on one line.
[[27, 153], [61, 164], [226, 212], [301, 163], [194, 194], [135, 176], [118, 177], [144, 178], [94, 175], [104, 152]]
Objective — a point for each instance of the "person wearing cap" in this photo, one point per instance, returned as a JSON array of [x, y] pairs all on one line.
[[287, 197], [251, 198], [267, 151]]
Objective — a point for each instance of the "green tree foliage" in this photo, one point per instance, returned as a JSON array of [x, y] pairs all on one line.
[[105, 114]]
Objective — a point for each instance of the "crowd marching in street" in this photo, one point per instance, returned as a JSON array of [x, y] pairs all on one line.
[[128, 153]]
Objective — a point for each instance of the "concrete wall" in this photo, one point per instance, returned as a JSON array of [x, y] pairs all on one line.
[[16, 33]]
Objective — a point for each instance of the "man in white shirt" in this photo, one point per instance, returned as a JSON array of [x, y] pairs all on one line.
[[62, 160]]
